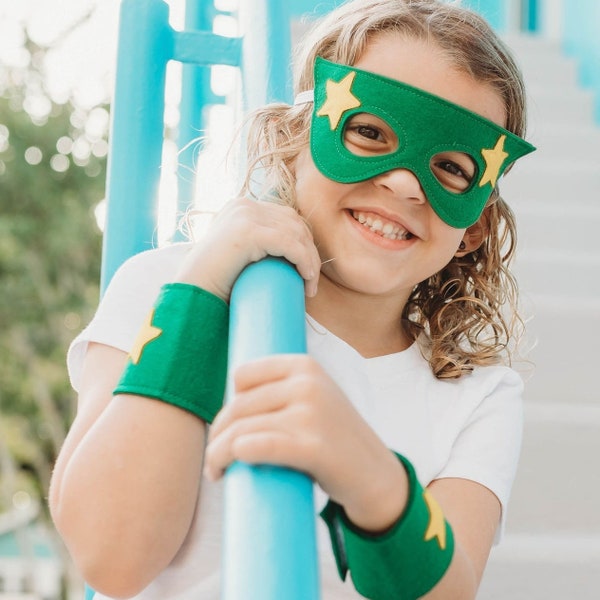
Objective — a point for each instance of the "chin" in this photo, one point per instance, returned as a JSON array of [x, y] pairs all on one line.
[[368, 281]]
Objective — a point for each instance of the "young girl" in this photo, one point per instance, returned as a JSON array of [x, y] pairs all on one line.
[[385, 172]]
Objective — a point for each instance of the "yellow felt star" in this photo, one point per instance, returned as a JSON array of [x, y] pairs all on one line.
[[339, 99], [437, 524], [494, 157], [147, 333]]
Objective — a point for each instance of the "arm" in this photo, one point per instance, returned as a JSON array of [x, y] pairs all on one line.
[[473, 511], [126, 482], [125, 461], [287, 411]]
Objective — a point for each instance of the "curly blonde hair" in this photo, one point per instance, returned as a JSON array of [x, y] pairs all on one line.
[[459, 315]]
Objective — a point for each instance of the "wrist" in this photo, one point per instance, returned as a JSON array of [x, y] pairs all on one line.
[[404, 562], [203, 282], [180, 355], [383, 498]]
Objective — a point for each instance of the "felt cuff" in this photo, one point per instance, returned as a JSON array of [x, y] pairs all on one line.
[[180, 355], [403, 563]]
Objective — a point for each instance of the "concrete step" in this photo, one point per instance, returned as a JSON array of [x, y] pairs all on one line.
[[557, 488], [551, 81], [560, 271], [561, 345], [547, 229], [578, 141], [551, 104], [551, 548], [552, 180], [542, 61], [510, 576]]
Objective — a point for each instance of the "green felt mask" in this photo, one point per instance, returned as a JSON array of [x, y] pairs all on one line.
[[365, 124]]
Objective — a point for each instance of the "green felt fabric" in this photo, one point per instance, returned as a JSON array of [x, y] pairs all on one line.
[[425, 125], [181, 355], [403, 563]]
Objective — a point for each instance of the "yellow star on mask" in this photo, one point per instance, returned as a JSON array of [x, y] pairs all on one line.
[[494, 157], [437, 524], [339, 99], [147, 333]]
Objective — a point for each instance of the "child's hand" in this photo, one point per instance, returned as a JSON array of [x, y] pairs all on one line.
[[244, 232], [287, 411]]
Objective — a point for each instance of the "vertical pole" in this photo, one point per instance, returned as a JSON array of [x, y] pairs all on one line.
[[136, 135], [196, 98], [495, 12], [531, 16], [269, 545], [145, 46], [266, 53], [269, 534], [581, 41]]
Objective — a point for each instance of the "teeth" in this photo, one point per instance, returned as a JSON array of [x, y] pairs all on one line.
[[389, 231]]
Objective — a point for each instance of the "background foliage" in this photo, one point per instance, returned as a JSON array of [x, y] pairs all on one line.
[[52, 171]]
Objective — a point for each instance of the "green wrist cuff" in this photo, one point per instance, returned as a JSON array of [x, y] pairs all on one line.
[[180, 355], [403, 563]]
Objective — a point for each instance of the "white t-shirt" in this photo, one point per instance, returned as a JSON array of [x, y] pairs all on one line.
[[468, 428]]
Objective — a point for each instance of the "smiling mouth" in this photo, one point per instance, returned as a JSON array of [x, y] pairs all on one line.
[[386, 229]]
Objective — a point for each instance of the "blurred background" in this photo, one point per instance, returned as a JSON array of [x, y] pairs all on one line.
[[57, 62]]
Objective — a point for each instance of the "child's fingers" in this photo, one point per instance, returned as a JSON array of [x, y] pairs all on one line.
[[248, 231], [257, 439], [267, 398], [273, 368], [288, 235], [297, 249]]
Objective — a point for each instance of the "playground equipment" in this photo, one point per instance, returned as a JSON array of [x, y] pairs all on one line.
[[269, 540]]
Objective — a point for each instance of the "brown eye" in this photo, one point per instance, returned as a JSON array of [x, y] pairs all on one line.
[[366, 134], [371, 133], [454, 170]]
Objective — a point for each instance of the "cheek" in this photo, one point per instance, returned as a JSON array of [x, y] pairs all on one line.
[[313, 190], [448, 238]]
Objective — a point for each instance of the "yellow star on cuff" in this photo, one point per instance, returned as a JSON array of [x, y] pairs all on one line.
[[494, 157], [437, 523], [147, 333], [339, 99]]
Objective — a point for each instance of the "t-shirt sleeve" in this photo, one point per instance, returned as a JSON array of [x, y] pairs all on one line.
[[127, 300], [487, 449]]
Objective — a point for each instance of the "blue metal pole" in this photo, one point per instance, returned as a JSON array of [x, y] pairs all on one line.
[[269, 535], [145, 46], [269, 544], [312, 7], [581, 41], [266, 43], [495, 12], [530, 15], [196, 99]]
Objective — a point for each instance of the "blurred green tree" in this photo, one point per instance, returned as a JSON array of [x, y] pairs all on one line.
[[52, 172]]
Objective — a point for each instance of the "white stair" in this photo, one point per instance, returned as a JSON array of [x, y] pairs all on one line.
[[551, 548]]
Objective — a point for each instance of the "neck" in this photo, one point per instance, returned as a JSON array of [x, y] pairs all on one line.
[[370, 324]]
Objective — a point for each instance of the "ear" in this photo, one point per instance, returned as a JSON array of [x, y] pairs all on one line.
[[474, 236]]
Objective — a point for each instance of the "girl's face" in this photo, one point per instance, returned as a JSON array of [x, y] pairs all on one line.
[[380, 236]]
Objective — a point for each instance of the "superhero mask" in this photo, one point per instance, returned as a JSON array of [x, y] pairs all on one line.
[[365, 124]]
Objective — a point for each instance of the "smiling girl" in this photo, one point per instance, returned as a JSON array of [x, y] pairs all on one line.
[[385, 175]]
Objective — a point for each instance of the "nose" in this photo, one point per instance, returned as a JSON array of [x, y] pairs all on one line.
[[402, 183]]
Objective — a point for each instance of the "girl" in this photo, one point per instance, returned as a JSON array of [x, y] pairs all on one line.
[[385, 174]]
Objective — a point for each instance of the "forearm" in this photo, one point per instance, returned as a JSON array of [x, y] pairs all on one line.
[[128, 492], [421, 554], [459, 582]]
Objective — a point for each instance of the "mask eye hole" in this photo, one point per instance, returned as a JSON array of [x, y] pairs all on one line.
[[454, 170], [368, 135]]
